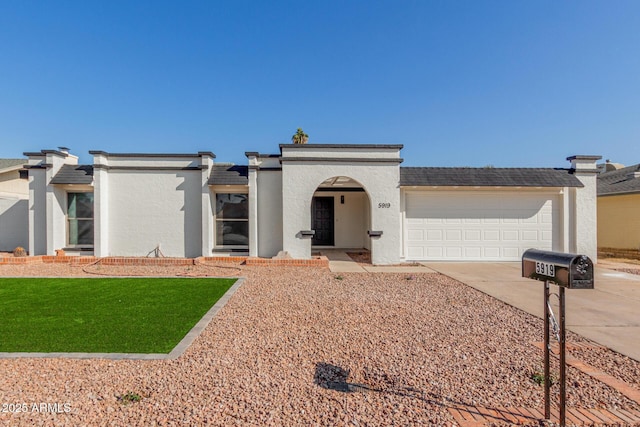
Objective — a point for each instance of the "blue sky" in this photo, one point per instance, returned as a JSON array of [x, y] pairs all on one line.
[[458, 83]]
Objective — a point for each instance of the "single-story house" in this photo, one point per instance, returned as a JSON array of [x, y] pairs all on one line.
[[14, 203], [305, 198], [619, 208]]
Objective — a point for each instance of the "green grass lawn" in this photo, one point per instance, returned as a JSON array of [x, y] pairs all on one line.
[[102, 315]]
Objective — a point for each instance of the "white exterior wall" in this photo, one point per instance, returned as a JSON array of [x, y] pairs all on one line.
[[56, 203], [269, 212], [37, 210], [12, 186], [206, 207], [100, 212], [145, 201], [346, 151], [14, 211], [142, 201], [151, 208], [351, 219], [56, 219], [14, 223], [376, 170], [253, 209], [380, 181], [47, 202]]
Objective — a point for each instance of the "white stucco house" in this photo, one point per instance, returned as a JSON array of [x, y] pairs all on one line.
[[14, 201], [305, 198]]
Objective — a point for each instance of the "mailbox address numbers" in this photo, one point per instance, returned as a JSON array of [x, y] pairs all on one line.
[[384, 205], [545, 269]]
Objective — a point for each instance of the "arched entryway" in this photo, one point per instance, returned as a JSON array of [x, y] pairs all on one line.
[[340, 215], [314, 170]]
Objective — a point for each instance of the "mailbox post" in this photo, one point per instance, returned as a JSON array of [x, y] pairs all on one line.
[[567, 271]]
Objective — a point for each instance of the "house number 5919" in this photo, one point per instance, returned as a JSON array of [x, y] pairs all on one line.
[[384, 205]]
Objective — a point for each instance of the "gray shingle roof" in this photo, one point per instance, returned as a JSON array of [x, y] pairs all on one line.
[[226, 174], [620, 181], [7, 163], [504, 177], [74, 174]]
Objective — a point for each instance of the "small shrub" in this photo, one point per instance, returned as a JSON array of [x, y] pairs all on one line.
[[19, 252], [339, 277], [130, 397], [538, 378]]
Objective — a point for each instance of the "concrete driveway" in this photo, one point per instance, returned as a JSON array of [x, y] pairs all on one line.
[[608, 314]]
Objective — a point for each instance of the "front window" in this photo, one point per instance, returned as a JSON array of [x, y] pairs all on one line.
[[80, 219], [232, 219]]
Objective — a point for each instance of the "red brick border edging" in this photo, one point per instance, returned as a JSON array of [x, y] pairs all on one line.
[[321, 261]]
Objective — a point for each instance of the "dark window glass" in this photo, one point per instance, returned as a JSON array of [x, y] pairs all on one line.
[[80, 205], [232, 233], [232, 206], [232, 219], [80, 217], [81, 232]]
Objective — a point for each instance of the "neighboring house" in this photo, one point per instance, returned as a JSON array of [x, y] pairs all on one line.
[[14, 204], [306, 198], [619, 208]]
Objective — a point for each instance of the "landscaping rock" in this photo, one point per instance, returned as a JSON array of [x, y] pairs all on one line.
[[296, 346]]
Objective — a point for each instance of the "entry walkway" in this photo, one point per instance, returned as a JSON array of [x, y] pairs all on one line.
[[609, 314], [340, 262]]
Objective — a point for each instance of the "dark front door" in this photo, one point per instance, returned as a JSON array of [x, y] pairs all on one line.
[[322, 222]]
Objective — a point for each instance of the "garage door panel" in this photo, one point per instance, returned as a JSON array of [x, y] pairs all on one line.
[[510, 252], [491, 235], [479, 225], [453, 221], [473, 251], [415, 235], [472, 235], [416, 252], [434, 235], [510, 235], [490, 252], [435, 253], [453, 252], [415, 221], [453, 235], [529, 236]]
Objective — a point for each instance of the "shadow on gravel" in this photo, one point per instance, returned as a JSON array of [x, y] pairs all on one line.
[[332, 377]]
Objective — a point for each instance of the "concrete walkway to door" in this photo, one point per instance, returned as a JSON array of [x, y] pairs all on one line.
[[340, 262], [609, 314]]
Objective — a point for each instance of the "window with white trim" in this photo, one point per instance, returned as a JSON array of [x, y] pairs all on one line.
[[80, 219], [232, 220]]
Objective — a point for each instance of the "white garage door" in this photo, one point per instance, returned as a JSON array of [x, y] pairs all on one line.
[[479, 225]]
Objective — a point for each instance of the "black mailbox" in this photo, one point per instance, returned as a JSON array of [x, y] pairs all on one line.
[[374, 233], [307, 233], [567, 270]]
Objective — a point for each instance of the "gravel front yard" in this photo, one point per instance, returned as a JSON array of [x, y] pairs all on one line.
[[286, 346]]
